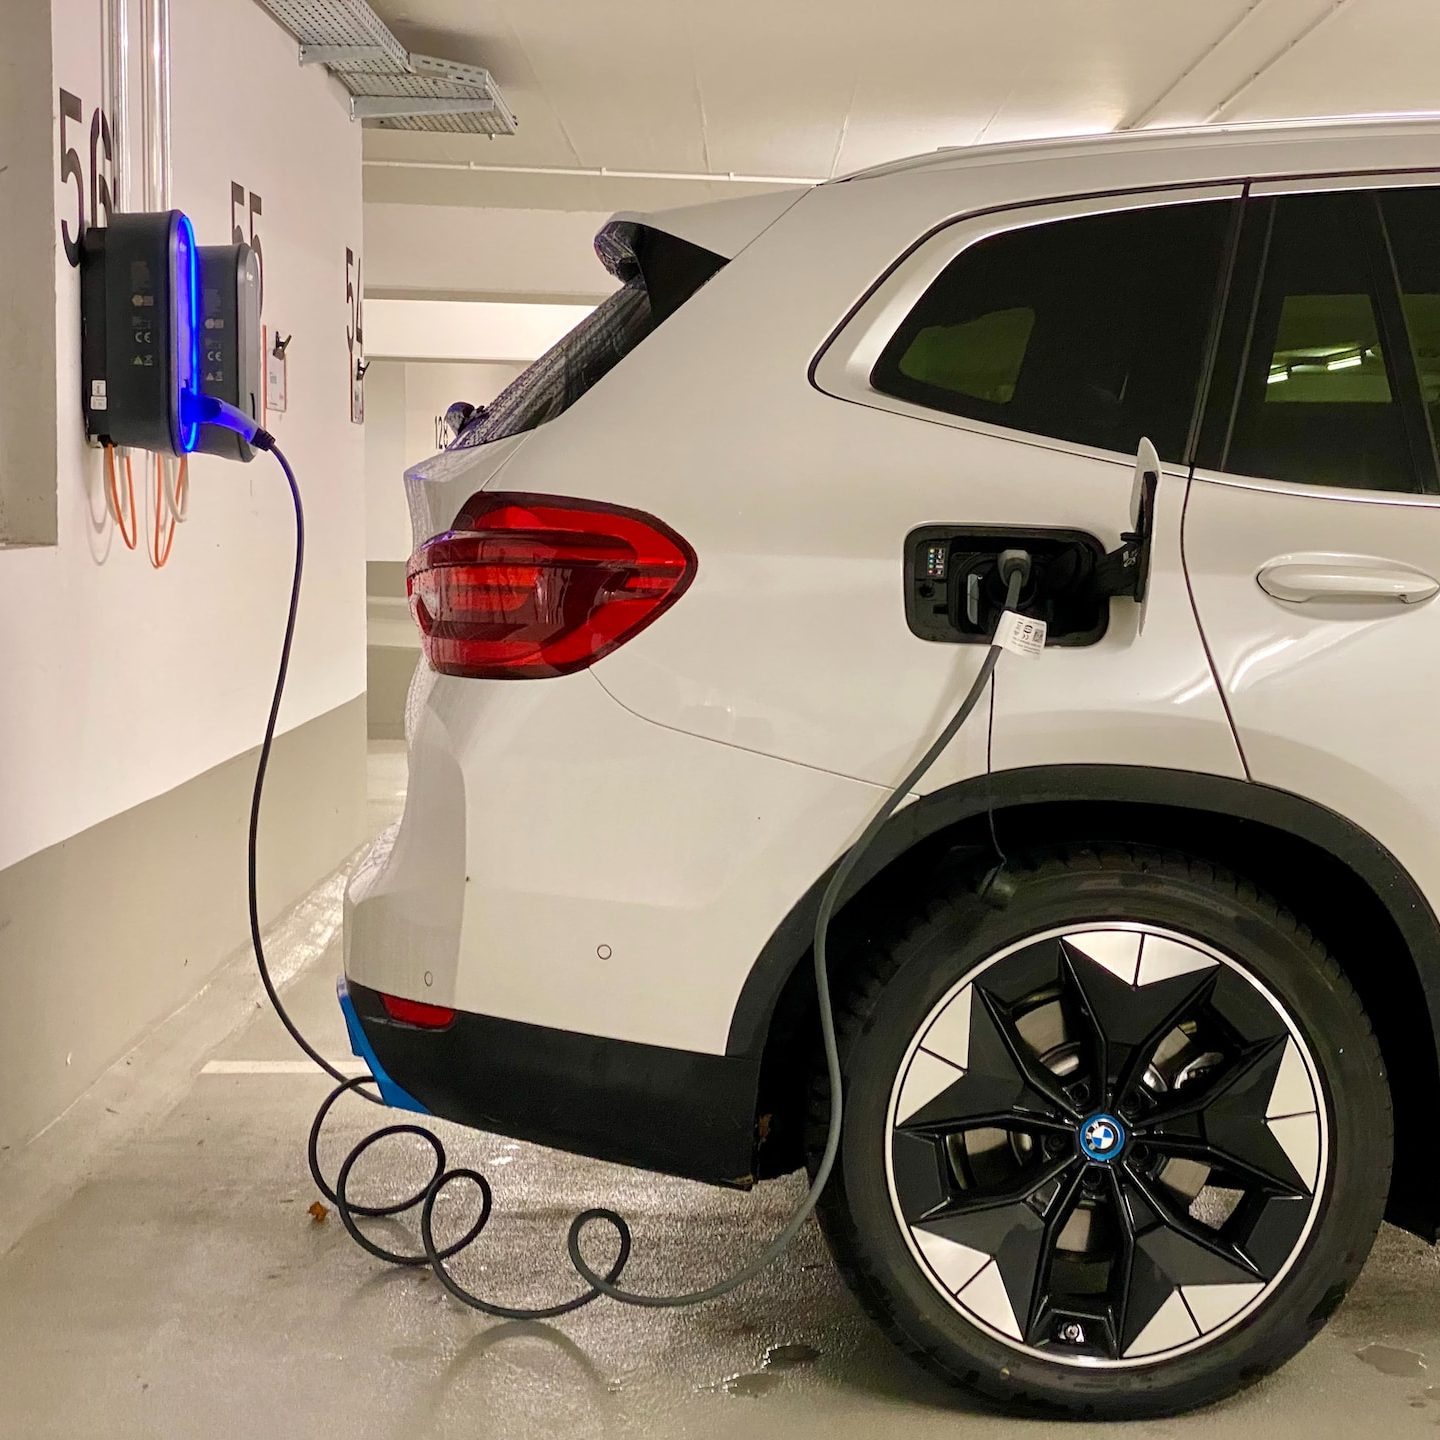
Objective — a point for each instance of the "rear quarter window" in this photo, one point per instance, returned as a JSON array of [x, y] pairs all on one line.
[[1091, 330]]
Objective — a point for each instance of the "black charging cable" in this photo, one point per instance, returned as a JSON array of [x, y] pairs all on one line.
[[264, 440], [1014, 569]]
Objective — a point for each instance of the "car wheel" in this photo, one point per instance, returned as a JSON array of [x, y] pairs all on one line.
[[1116, 1147]]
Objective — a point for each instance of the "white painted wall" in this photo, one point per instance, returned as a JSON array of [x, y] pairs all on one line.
[[122, 682], [461, 251], [465, 329], [387, 520]]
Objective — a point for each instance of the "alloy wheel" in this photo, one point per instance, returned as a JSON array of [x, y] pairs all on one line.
[[1107, 1144]]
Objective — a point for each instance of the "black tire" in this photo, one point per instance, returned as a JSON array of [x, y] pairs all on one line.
[[879, 1013]]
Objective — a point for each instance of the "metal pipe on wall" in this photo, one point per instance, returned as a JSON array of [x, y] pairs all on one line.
[[147, 104], [162, 85], [115, 93], [155, 110], [155, 102]]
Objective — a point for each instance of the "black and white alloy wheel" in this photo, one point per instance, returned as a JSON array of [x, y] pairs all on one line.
[[1118, 1147], [1106, 1144]]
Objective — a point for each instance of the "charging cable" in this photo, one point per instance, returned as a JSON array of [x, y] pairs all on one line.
[[207, 410], [1014, 568]]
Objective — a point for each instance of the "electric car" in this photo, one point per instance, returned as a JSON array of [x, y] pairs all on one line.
[[1137, 993]]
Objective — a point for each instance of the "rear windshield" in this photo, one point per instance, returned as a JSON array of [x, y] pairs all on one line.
[[660, 273]]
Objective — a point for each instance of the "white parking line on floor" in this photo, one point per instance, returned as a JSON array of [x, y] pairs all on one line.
[[280, 1067]]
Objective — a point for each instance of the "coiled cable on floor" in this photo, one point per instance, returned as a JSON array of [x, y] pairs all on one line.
[[442, 1176]]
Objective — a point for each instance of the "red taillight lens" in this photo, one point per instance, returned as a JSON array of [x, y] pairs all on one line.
[[527, 586], [417, 1012]]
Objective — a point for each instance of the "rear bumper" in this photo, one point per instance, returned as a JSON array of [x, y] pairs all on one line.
[[395, 1096], [590, 891], [672, 1110]]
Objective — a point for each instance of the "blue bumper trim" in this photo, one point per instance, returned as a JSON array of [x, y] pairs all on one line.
[[360, 1046]]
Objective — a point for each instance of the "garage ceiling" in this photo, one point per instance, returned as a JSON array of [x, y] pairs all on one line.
[[819, 87]]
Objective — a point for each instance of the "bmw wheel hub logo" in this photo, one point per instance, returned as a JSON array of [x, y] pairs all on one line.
[[1102, 1137]]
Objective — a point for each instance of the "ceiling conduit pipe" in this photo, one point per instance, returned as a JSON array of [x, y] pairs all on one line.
[[595, 172]]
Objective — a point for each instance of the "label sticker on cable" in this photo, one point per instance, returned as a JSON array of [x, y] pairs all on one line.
[[1020, 634]]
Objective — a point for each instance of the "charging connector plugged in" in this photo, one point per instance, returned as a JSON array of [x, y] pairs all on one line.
[[201, 410]]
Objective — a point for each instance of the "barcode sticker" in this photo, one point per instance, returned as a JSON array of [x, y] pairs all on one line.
[[1020, 634]]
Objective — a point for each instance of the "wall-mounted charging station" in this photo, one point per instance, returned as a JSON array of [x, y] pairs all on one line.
[[231, 343], [163, 318], [171, 355], [140, 330]]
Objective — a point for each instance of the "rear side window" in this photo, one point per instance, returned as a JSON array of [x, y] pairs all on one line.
[[660, 273], [1092, 330], [1322, 376], [1412, 225]]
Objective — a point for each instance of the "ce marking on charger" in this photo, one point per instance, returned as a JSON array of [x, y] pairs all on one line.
[[144, 337]]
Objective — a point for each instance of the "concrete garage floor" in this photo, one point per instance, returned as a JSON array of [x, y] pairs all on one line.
[[160, 1277]]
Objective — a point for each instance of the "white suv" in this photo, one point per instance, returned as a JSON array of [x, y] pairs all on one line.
[[1138, 992]]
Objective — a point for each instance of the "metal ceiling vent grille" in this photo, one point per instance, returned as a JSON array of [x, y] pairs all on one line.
[[389, 86]]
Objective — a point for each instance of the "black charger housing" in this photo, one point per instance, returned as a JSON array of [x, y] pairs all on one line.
[[232, 352], [139, 328]]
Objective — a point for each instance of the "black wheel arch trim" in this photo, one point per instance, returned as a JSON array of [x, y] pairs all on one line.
[[1216, 795]]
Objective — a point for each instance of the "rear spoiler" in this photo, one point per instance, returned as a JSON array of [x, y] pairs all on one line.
[[723, 227]]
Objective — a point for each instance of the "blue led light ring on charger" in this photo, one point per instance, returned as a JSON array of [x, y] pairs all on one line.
[[185, 301]]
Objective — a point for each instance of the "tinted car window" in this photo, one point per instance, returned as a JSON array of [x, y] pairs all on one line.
[[1091, 330], [1319, 398], [1327, 351], [1412, 224], [660, 273]]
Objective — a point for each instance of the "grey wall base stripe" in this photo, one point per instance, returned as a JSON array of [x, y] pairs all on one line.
[[106, 933]]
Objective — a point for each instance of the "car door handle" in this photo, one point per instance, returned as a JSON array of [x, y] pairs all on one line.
[[1346, 578]]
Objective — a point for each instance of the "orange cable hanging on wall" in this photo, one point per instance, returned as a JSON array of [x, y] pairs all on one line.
[[159, 553], [112, 489]]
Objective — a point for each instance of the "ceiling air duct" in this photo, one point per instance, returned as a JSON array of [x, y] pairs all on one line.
[[389, 86]]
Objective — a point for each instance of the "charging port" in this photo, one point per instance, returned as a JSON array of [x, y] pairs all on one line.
[[954, 593]]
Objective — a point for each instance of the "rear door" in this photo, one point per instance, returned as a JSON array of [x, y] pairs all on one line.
[[1312, 531]]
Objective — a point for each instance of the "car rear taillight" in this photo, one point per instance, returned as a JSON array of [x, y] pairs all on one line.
[[417, 1012], [526, 586]]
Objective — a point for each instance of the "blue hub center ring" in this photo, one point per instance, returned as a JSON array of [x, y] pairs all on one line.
[[1101, 1137]]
